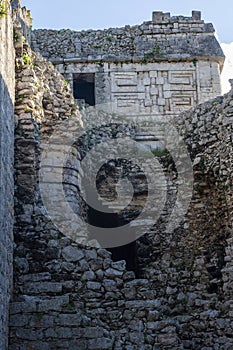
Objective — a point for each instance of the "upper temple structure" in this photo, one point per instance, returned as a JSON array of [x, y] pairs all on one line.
[[160, 67]]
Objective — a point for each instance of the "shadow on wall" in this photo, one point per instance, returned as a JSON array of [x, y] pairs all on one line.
[[6, 205]]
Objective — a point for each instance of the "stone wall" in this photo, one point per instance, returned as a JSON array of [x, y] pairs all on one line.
[[7, 74], [161, 67], [68, 296], [153, 88], [161, 38]]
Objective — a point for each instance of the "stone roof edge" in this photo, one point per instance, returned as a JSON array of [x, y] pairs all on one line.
[[218, 59]]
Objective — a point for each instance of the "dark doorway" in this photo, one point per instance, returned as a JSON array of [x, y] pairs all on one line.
[[128, 253], [110, 220], [84, 87]]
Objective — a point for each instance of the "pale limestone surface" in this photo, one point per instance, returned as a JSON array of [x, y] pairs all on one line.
[[161, 67], [7, 92]]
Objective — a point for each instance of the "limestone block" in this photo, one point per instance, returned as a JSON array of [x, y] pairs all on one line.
[[161, 102], [146, 81], [154, 91], [148, 103], [153, 74], [167, 87], [141, 96], [167, 94], [72, 254], [160, 81]]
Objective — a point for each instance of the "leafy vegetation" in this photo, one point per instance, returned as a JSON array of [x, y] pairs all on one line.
[[150, 153], [194, 62], [3, 11], [15, 35], [26, 59], [156, 51]]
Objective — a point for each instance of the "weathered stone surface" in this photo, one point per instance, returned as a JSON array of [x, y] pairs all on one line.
[[67, 296], [171, 37], [7, 94], [113, 273], [144, 82], [94, 285], [72, 254], [89, 276]]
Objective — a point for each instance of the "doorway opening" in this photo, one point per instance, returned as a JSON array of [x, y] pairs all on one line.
[[84, 88], [127, 252]]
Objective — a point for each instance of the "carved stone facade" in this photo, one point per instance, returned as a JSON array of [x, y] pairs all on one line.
[[161, 67]]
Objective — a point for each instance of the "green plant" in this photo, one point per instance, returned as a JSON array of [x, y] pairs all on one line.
[[150, 153], [149, 54], [26, 59], [15, 35], [194, 62], [3, 11], [20, 97], [109, 39], [158, 152], [27, 109], [144, 61], [157, 49], [29, 16]]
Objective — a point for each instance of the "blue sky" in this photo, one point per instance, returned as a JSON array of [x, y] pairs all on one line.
[[94, 14]]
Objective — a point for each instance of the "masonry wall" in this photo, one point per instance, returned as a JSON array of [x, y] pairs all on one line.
[[164, 37], [67, 295], [7, 84], [70, 296], [150, 88], [160, 67]]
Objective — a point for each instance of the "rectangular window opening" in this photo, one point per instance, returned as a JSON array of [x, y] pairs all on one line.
[[84, 88]]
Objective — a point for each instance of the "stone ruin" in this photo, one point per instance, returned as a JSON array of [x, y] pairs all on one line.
[[160, 67], [171, 289]]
